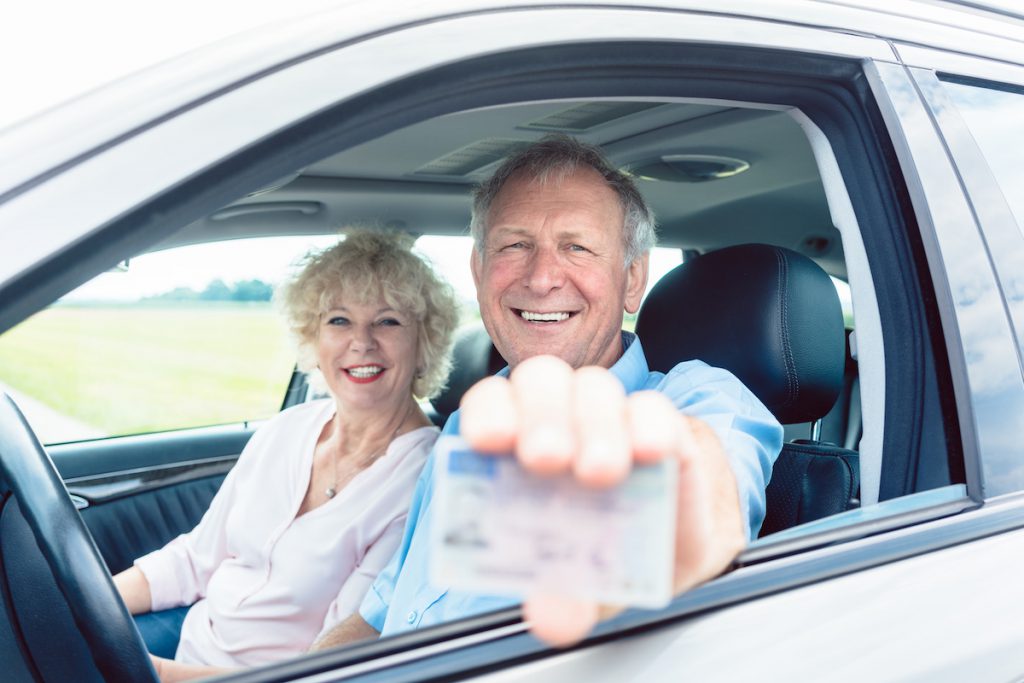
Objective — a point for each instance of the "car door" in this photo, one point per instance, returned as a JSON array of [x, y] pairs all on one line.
[[893, 194]]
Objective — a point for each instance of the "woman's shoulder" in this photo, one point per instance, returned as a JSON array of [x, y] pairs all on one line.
[[306, 413], [290, 422], [421, 440], [409, 451]]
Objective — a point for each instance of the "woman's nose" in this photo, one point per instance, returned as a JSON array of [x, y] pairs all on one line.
[[363, 338]]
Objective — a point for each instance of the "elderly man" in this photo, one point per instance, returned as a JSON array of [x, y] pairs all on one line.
[[562, 244]]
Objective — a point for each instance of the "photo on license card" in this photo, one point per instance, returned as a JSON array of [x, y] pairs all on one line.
[[499, 530]]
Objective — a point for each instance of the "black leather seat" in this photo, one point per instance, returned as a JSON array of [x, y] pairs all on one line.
[[772, 317], [473, 358]]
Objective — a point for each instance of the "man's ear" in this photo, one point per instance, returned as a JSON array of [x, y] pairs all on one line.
[[476, 266], [636, 281]]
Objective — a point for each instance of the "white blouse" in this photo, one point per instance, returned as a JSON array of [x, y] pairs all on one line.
[[265, 583]]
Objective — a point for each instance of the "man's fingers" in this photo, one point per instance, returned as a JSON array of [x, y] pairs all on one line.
[[654, 426], [559, 621], [542, 387], [489, 417], [709, 526], [604, 450]]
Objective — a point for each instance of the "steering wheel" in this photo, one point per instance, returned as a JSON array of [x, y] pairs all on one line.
[[58, 585]]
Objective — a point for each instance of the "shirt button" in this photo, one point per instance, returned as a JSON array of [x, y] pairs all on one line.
[[412, 617]]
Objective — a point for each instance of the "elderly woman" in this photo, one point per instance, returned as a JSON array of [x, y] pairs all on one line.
[[316, 505]]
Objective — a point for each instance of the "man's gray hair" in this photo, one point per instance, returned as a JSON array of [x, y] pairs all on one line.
[[555, 157]]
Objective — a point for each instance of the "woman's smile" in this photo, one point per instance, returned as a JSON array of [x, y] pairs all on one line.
[[364, 374]]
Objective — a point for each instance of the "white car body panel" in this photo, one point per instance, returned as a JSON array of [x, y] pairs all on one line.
[[851, 628]]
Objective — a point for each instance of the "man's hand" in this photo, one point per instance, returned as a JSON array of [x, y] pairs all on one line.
[[351, 630], [556, 419]]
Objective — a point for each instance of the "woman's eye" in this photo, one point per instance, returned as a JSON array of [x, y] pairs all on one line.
[[389, 322], [337, 320]]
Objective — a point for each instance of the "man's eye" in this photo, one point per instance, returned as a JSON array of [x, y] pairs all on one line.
[[514, 246], [577, 247]]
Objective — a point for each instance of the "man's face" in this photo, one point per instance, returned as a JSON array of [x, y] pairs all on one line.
[[551, 278]]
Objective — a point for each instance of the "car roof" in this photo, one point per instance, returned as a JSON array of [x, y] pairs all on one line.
[[781, 189], [268, 34]]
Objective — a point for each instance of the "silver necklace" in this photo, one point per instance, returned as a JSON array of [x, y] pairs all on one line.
[[332, 490]]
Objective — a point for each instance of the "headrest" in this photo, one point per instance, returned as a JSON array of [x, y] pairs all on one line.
[[473, 358], [767, 314]]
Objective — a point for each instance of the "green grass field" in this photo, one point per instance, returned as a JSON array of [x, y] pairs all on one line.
[[149, 367]]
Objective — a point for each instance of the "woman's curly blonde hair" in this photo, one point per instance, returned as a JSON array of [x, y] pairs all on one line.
[[368, 263]]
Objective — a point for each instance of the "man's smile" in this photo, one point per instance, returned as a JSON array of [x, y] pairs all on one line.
[[543, 317]]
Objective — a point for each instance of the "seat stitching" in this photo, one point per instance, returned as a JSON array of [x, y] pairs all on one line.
[[792, 381]]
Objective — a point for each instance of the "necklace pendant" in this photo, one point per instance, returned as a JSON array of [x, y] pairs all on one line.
[[330, 492]]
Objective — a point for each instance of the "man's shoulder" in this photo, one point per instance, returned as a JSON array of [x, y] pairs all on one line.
[[696, 376]]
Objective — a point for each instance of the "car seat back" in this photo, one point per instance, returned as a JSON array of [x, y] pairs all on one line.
[[473, 358], [773, 318]]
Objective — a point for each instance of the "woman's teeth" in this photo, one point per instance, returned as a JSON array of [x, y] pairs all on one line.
[[365, 371]]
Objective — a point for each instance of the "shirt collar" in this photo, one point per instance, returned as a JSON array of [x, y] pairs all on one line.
[[631, 367]]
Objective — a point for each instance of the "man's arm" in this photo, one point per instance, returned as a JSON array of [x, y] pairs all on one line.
[[351, 630], [556, 419]]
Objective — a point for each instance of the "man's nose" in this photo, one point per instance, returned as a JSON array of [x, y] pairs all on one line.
[[545, 270]]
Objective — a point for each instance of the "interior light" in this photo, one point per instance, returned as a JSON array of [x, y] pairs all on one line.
[[689, 168]]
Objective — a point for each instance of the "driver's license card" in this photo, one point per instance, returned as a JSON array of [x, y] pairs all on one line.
[[502, 531]]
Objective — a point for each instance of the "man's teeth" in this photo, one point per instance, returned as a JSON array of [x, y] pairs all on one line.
[[365, 371], [544, 317]]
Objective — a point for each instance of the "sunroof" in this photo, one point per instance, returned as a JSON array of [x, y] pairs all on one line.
[[472, 157], [583, 117]]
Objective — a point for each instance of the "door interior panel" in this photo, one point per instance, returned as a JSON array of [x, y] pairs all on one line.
[[137, 493], [145, 451], [127, 528]]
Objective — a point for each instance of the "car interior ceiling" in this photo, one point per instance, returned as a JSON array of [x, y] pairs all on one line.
[[417, 178]]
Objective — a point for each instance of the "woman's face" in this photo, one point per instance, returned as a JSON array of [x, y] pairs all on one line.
[[367, 353]]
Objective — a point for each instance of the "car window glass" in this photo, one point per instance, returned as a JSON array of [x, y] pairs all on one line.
[[180, 338], [845, 300], [996, 120]]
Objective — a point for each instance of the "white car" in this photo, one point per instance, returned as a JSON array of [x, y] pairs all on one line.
[[877, 143]]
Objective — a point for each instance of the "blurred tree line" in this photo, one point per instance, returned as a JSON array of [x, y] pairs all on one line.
[[218, 290]]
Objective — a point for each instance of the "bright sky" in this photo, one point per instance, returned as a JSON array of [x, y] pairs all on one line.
[[52, 50]]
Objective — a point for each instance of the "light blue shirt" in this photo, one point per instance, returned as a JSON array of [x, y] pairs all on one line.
[[402, 597]]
